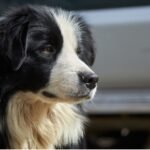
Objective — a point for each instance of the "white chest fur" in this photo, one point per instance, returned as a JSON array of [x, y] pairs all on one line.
[[69, 124]]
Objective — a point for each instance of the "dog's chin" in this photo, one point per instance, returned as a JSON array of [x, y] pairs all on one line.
[[69, 98], [84, 97]]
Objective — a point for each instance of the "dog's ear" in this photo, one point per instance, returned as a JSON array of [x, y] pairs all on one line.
[[88, 48], [14, 27]]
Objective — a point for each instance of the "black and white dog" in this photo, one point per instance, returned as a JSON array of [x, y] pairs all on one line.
[[45, 54]]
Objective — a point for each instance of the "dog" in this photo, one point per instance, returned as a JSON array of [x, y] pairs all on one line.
[[45, 59]]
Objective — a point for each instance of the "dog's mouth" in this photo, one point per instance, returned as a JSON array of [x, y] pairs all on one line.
[[50, 95], [84, 96]]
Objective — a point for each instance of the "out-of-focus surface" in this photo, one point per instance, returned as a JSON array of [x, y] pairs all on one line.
[[127, 101]]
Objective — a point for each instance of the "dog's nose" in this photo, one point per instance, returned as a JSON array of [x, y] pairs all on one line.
[[89, 79]]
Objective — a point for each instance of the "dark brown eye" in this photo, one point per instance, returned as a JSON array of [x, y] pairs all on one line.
[[48, 51]]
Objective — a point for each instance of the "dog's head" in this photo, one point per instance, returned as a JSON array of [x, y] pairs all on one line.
[[47, 51]]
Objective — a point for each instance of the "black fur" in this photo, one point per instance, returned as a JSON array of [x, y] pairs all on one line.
[[24, 33]]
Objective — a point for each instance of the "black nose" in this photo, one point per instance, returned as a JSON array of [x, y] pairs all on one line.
[[89, 79]]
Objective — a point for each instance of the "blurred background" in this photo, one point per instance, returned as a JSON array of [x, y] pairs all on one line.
[[120, 112]]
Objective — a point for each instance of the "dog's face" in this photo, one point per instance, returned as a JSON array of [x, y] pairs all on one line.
[[48, 51]]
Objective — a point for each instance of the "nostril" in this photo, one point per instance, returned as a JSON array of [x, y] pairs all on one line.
[[89, 79], [93, 78]]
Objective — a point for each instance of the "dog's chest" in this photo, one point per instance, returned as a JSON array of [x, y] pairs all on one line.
[[68, 124], [64, 126], [34, 124]]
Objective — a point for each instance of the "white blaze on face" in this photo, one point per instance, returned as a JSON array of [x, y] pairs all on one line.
[[64, 78]]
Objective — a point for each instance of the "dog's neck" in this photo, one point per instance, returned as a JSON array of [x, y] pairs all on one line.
[[35, 124]]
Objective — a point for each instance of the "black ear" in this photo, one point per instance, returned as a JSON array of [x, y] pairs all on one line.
[[14, 37], [17, 49], [87, 42]]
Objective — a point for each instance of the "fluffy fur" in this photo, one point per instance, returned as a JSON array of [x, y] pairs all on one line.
[[45, 54], [42, 125]]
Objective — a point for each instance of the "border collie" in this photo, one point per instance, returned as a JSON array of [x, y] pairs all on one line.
[[45, 59]]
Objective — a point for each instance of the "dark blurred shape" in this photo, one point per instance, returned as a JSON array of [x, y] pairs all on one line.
[[114, 140], [77, 4]]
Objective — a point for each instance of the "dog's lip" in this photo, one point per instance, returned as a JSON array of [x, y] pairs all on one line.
[[51, 95], [85, 96]]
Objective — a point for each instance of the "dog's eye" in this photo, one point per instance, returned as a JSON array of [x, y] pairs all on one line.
[[48, 50]]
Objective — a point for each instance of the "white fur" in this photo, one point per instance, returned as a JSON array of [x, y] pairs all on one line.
[[70, 124], [64, 78]]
